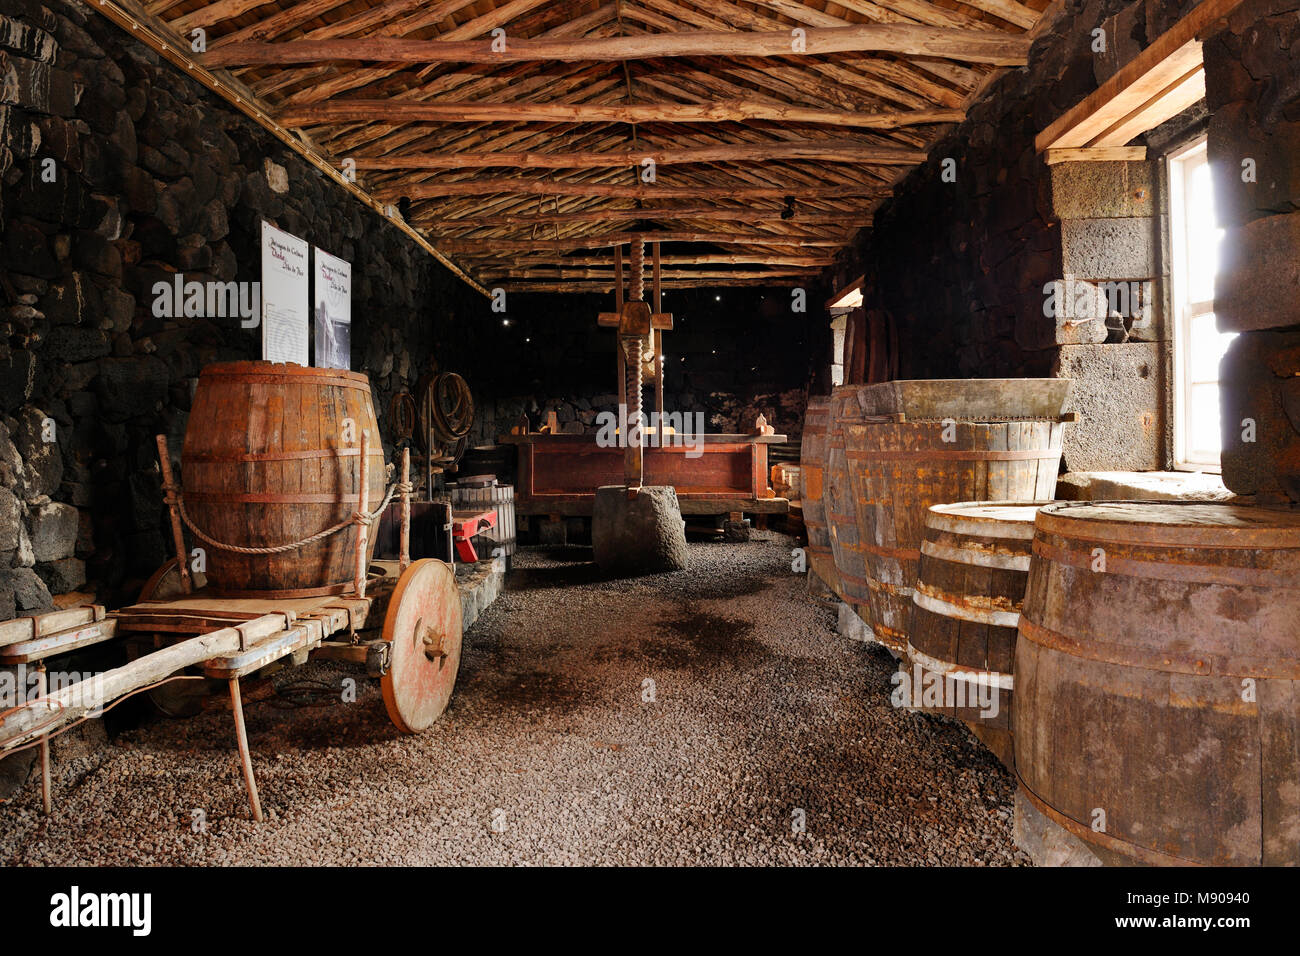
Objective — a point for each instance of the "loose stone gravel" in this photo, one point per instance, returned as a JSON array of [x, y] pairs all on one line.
[[707, 716]]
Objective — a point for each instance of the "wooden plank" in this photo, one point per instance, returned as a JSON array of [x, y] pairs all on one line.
[[965, 45], [1166, 104], [1099, 154], [63, 642], [1173, 54], [51, 622]]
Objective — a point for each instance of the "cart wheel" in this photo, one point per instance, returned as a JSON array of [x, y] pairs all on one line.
[[423, 628], [178, 698]]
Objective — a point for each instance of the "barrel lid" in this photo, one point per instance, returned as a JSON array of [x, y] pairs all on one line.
[[1174, 523], [1010, 518], [281, 370]]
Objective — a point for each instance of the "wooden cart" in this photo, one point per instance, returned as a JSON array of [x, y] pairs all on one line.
[[402, 620]]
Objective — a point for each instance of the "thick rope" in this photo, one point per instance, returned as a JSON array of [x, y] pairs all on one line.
[[358, 518]]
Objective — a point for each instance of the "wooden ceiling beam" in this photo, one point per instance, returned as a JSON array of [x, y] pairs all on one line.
[[541, 187], [647, 215], [607, 240], [961, 44], [415, 111], [827, 151], [607, 274]]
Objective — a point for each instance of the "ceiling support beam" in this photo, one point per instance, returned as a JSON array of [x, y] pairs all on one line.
[[961, 44]]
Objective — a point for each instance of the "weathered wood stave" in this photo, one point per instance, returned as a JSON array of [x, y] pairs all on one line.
[[265, 463], [812, 463], [841, 516], [898, 470], [973, 570], [1135, 679]]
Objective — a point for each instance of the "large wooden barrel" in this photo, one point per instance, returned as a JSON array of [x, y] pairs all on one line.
[[965, 609], [1157, 712], [812, 462], [935, 442], [267, 461], [841, 517]]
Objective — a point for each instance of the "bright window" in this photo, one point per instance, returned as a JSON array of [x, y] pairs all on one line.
[[1198, 345]]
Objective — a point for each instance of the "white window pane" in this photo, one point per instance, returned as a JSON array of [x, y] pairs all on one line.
[[1205, 348], [1203, 421], [1202, 234]]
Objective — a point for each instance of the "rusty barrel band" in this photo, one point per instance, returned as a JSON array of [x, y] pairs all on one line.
[[1137, 533], [1002, 560], [966, 674], [893, 590], [974, 454], [902, 554], [266, 498], [930, 600], [1165, 570], [286, 379], [222, 457], [1088, 835], [1126, 655]]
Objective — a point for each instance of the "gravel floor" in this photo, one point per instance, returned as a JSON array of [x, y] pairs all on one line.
[[762, 716]]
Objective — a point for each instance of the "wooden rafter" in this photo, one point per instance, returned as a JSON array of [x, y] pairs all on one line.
[[967, 45]]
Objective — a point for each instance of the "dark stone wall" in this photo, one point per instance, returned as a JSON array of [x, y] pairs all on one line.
[[152, 175], [1252, 79]]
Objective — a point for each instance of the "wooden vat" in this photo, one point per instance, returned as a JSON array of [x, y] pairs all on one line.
[[267, 461], [917, 447], [812, 463], [1157, 669], [973, 570], [500, 498], [841, 517]]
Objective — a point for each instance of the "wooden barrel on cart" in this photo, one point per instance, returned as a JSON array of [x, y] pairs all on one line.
[[932, 442], [272, 456], [970, 586], [812, 462], [1158, 680], [841, 518]]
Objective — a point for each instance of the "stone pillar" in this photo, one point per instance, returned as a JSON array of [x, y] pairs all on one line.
[[1252, 81], [1107, 314]]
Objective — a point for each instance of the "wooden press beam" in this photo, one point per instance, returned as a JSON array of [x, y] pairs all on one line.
[[419, 111], [953, 43], [489, 246], [722, 213]]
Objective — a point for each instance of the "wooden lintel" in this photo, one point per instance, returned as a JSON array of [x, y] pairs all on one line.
[[1098, 154], [1151, 85]]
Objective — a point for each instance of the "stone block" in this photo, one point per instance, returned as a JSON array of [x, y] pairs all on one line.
[[1258, 285], [1119, 190], [29, 592], [11, 513], [62, 576], [53, 528], [42, 460], [1119, 396], [1109, 248], [1260, 401], [638, 535]]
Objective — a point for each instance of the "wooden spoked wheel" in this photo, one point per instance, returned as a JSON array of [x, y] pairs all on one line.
[[179, 698], [423, 628]]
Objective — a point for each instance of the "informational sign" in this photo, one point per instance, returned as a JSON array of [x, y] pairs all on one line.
[[333, 311], [285, 300]]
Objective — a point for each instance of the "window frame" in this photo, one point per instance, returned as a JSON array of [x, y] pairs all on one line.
[[1178, 165]]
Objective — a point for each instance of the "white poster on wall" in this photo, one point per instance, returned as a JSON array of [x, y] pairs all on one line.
[[286, 304], [333, 311]]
